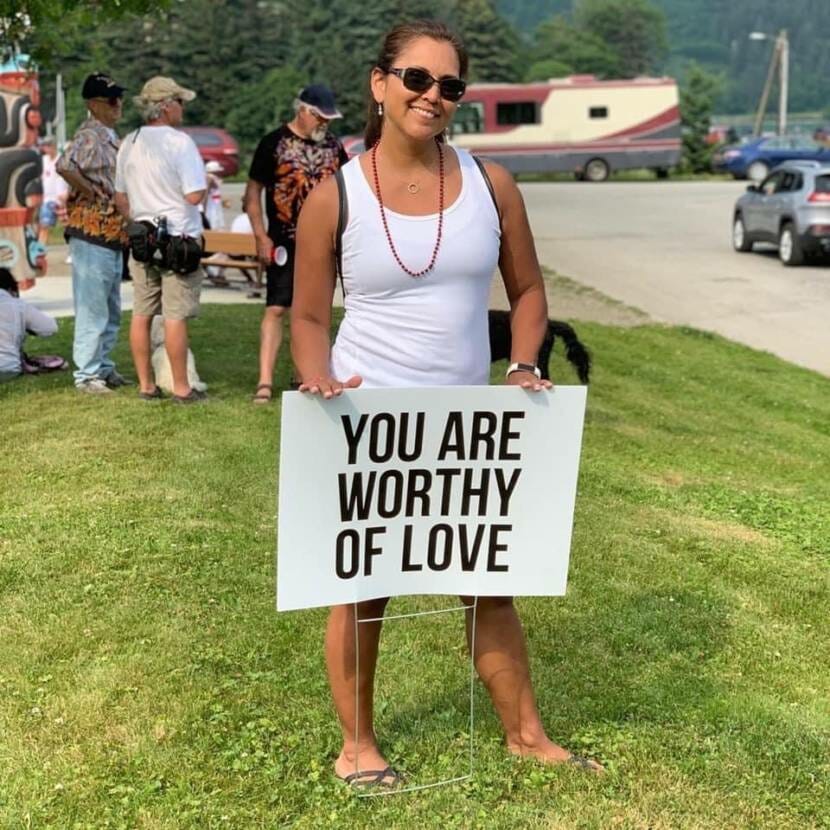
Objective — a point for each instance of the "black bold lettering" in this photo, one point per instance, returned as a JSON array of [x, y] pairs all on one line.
[[506, 490], [418, 444], [506, 435], [446, 495], [355, 499], [433, 562], [376, 453], [453, 439], [347, 538], [353, 438], [483, 431], [389, 508], [496, 548], [469, 556], [416, 491], [468, 492], [371, 549], [406, 551]]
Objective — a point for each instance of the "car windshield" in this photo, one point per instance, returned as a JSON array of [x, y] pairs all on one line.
[[205, 139]]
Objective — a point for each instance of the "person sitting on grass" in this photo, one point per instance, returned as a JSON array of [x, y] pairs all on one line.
[[17, 319]]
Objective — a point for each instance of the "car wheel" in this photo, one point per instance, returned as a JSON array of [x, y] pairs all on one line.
[[740, 238], [757, 171], [597, 170], [790, 251]]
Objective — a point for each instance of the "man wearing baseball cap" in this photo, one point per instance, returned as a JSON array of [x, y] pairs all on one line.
[[161, 176], [95, 231], [287, 164]]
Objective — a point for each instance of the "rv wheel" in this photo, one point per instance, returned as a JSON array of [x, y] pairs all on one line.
[[596, 170]]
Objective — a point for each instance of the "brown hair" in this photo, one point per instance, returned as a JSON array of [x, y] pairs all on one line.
[[396, 40]]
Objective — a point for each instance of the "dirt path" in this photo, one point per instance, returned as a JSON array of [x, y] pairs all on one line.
[[570, 300]]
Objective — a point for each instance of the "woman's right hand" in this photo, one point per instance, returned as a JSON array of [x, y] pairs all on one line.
[[329, 387]]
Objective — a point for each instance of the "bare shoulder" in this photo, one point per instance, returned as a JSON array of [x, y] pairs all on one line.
[[321, 206], [504, 186]]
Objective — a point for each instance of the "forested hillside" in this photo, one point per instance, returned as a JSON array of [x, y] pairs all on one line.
[[715, 34]]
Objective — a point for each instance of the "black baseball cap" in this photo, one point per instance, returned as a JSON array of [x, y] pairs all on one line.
[[320, 98], [99, 85]]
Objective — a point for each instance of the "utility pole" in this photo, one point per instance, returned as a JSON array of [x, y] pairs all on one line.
[[780, 61]]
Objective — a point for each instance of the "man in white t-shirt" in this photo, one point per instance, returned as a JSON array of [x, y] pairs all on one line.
[[55, 190], [161, 174]]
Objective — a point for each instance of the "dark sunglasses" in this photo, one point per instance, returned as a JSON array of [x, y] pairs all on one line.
[[419, 80]]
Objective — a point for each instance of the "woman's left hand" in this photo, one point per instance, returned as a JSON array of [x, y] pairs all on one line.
[[529, 381]]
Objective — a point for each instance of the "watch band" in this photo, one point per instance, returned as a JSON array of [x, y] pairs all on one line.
[[523, 367]]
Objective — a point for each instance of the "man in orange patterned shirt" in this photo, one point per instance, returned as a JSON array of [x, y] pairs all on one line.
[[95, 231]]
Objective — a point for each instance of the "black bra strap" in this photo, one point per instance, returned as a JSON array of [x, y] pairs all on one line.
[[342, 221], [489, 184]]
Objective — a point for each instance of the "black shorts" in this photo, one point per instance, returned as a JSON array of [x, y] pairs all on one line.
[[279, 282]]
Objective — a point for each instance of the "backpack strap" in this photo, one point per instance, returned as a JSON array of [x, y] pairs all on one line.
[[489, 184], [342, 221]]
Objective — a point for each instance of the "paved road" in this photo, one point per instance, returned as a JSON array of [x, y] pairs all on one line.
[[661, 247], [665, 248]]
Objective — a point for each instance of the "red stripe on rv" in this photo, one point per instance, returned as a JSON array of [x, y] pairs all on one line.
[[592, 146], [659, 122]]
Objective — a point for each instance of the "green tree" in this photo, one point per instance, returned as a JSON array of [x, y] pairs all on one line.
[[491, 41], [546, 69], [697, 97], [264, 105], [634, 29], [41, 24], [578, 50]]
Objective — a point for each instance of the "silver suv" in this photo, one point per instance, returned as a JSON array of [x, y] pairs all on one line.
[[789, 208]]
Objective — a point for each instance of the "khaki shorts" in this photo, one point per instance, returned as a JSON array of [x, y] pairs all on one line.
[[158, 291]]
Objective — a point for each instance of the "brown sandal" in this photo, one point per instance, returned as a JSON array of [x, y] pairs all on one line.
[[261, 396]]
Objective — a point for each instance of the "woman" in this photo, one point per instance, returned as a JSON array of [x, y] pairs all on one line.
[[416, 287]]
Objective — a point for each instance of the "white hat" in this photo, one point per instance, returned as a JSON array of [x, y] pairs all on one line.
[[162, 89]]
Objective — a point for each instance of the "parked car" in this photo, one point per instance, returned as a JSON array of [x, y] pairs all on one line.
[[754, 158], [216, 145], [790, 208]]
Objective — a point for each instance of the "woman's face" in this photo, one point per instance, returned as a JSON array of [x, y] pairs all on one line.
[[418, 114]]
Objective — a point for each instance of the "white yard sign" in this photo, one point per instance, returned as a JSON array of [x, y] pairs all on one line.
[[458, 490]]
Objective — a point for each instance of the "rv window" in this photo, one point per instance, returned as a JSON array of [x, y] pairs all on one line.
[[518, 112], [598, 112], [469, 118]]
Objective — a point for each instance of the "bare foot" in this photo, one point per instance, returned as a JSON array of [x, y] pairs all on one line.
[[369, 760], [548, 752]]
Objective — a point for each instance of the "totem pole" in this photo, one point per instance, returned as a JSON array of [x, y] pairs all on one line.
[[20, 169]]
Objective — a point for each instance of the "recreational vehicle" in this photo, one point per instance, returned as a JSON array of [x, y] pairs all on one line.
[[577, 124]]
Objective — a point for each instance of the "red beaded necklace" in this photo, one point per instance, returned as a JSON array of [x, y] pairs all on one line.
[[440, 212]]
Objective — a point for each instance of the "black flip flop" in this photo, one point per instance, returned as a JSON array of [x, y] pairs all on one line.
[[585, 763], [374, 778], [260, 398], [155, 395], [193, 396]]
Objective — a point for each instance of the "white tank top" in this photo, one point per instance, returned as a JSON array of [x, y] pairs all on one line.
[[417, 331]]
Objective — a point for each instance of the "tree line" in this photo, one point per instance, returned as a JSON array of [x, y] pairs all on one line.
[[248, 58]]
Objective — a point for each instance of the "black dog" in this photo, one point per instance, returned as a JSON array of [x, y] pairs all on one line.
[[501, 342]]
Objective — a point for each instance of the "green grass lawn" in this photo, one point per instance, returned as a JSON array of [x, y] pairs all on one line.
[[146, 680]]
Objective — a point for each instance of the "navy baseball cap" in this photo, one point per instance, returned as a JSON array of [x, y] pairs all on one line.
[[320, 98], [99, 85]]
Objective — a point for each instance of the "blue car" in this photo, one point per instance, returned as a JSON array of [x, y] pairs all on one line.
[[755, 158]]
